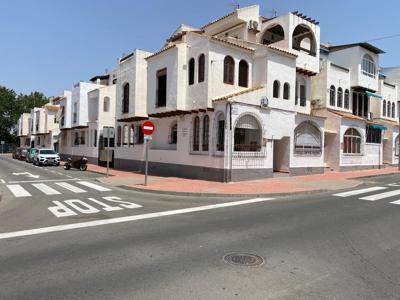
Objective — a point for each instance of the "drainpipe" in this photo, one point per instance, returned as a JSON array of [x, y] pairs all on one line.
[[228, 179]]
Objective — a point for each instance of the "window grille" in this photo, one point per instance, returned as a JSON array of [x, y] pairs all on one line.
[[307, 139], [247, 136]]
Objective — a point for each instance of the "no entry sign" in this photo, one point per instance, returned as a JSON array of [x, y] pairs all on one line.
[[148, 128]]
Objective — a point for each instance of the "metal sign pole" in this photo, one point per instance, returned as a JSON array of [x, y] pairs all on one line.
[[147, 161], [108, 150]]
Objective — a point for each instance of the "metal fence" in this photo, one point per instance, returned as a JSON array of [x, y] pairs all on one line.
[[7, 148]]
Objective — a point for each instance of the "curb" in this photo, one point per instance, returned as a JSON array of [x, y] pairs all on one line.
[[376, 176], [219, 195]]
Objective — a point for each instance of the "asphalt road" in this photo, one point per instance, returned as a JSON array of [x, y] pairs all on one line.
[[321, 246]]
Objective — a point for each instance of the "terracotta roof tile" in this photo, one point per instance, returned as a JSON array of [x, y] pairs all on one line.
[[228, 96], [220, 19], [347, 115], [285, 51], [161, 51], [232, 43]]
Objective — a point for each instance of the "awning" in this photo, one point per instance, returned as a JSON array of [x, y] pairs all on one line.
[[377, 126], [374, 95]]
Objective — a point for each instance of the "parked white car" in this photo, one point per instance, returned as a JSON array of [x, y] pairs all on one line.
[[46, 157]]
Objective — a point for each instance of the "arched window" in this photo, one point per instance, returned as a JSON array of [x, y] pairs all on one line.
[[301, 92], [393, 110], [202, 67], [229, 70], [332, 96], [119, 136], [389, 109], [276, 89], [125, 99], [273, 34], [247, 135], [384, 108], [220, 132], [396, 146], [346, 99], [196, 134], [243, 74], [368, 66], [131, 135], [173, 133], [304, 40], [106, 104], [307, 139], [352, 142], [206, 133], [191, 71], [340, 97], [125, 135], [286, 91]]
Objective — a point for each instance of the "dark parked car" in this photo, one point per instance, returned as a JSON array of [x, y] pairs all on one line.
[[15, 153], [23, 153], [30, 155]]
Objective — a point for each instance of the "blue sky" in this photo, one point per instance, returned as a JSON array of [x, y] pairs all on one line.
[[48, 45]]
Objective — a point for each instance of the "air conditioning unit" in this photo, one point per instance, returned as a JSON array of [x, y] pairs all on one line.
[[253, 25]]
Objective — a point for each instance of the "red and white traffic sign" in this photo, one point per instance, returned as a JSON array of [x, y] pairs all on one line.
[[148, 127]]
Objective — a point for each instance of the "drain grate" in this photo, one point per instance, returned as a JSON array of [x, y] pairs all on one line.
[[244, 259]]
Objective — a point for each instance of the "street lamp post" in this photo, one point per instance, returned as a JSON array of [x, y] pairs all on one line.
[[398, 137]]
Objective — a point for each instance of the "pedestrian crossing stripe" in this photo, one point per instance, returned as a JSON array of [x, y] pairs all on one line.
[[45, 189], [19, 191], [381, 196], [94, 186], [71, 187], [361, 191], [395, 202]]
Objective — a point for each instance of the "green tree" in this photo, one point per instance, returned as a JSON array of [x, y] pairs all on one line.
[[9, 111], [11, 108]]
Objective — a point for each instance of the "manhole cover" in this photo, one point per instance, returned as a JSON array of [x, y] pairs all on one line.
[[244, 259]]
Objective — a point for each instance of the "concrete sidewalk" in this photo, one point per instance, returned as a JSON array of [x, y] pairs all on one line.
[[306, 184]]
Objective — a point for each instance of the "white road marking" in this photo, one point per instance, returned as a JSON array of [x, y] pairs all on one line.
[[2, 181], [50, 180], [394, 184], [46, 189], [71, 187], [60, 173], [58, 228], [362, 191], [18, 190], [68, 176], [94, 186], [382, 196], [27, 174], [395, 202]]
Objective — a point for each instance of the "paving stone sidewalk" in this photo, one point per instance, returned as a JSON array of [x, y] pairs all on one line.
[[311, 183]]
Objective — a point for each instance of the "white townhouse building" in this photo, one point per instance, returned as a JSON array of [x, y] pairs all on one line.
[[131, 107], [23, 130], [390, 87], [83, 112], [347, 92], [230, 100], [39, 128]]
